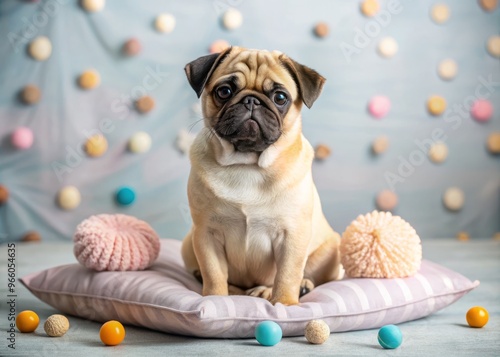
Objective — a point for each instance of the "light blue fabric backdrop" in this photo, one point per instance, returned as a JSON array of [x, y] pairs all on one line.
[[348, 181]]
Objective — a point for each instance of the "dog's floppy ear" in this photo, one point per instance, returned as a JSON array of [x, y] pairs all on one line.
[[309, 82], [199, 71]]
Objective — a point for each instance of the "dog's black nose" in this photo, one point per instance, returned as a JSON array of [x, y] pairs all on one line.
[[250, 102]]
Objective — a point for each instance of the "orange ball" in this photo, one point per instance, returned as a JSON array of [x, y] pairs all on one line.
[[112, 333], [27, 321], [477, 316]]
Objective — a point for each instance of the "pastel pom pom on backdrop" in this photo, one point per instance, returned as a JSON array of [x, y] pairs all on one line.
[[22, 138], [40, 48], [125, 196], [482, 110], [379, 106]]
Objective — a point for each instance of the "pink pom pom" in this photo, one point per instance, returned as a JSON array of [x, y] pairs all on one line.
[[22, 138], [482, 110], [379, 106], [115, 242]]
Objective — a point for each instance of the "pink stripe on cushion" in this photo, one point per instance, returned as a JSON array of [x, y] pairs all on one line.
[[386, 296], [359, 293]]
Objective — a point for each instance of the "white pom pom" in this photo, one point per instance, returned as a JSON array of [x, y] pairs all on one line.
[[380, 245]]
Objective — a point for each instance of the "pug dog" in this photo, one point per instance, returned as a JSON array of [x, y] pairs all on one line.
[[258, 227]]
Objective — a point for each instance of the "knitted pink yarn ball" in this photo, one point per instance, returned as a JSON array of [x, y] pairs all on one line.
[[115, 242], [380, 245]]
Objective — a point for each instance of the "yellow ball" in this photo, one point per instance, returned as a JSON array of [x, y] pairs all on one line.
[[96, 145], [494, 142], [477, 316], [89, 79], [436, 105], [27, 321], [370, 8], [112, 333]]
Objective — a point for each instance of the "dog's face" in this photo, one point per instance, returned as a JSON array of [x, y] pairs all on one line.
[[251, 97]]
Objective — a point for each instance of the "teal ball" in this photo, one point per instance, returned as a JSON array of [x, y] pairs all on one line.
[[125, 196], [390, 337], [268, 333]]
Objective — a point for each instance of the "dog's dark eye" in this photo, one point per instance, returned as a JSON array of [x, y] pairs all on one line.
[[224, 92], [280, 98]]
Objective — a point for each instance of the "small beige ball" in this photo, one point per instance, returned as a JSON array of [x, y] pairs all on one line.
[[317, 332], [56, 325]]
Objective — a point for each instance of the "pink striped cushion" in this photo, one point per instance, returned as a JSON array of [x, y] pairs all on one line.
[[168, 299]]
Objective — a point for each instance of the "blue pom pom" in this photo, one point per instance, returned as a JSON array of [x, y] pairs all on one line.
[[125, 196]]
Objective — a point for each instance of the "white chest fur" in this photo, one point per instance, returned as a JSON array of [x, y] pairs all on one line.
[[248, 207]]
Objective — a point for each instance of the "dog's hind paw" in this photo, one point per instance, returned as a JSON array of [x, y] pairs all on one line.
[[264, 292], [306, 286]]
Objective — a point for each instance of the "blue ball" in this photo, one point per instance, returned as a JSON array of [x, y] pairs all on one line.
[[268, 333], [125, 196], [390, 336]]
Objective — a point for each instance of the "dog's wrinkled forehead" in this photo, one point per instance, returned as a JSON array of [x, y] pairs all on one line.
[[254, 69]]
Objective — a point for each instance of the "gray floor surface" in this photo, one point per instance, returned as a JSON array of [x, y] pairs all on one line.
[[442, 334]]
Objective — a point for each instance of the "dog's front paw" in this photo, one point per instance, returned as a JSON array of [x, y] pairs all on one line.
[[264, 292], [285, 300]]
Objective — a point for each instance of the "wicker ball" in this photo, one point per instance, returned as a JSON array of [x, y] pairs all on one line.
[[380, 245], [56, 325], [115, 242], [317, 332]]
